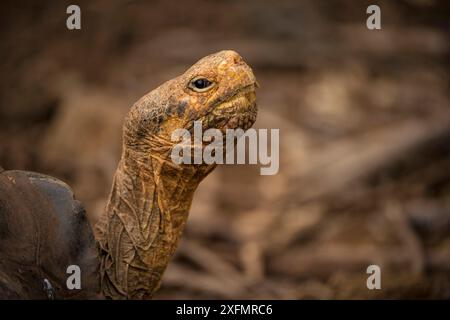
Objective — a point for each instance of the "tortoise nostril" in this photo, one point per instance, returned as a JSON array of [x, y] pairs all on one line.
[[237, 59]]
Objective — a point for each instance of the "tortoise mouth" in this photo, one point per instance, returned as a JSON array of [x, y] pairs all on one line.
[[239, 111]]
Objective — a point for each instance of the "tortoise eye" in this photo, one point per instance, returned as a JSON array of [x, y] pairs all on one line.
[[200, 84]]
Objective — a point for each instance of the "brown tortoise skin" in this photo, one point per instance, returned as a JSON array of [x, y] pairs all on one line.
[[149, 201]]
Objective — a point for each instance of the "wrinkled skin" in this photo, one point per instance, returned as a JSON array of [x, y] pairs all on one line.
[[151, 196], [43, 228]]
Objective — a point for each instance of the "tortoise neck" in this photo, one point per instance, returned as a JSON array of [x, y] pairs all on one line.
[[145, 216]]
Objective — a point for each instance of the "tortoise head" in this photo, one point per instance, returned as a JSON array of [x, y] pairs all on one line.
[[218, 90]]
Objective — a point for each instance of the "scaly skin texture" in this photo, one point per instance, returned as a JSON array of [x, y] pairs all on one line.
[[151, 196]]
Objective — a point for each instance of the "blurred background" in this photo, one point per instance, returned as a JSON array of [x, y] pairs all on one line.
[[364, 123]]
